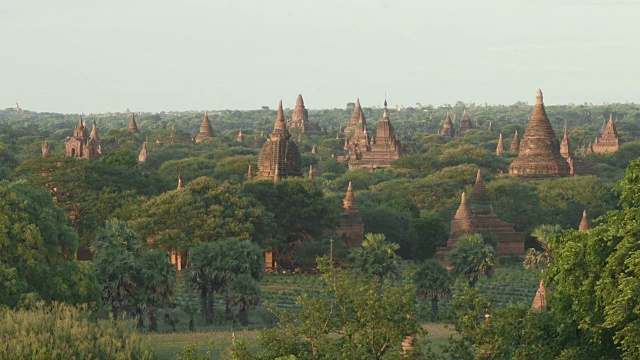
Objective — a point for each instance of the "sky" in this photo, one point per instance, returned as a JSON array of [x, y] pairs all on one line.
[[75, 56]]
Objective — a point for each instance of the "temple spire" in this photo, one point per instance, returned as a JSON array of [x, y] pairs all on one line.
[[280, 125], [45, 148], [500, 147], [133, 127], [179, 181], [349, 201], [584, 223], [515, 143], [142, 156], [310, 172], [94, 132], [206, 130], [240, 137], [250, 173]]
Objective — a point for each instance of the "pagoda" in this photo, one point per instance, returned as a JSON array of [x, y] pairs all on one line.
[[515, 143], [280, 157], [206, 131], [584, 223], [142, 156], [133, 127], [465, 125], [240, 137], [477, 216], [500, 146], [447, 127], [381, 151], [300, 119], [609, 142], [351, 232], [83, 145], [540, 300], [539, 154], [45, 148]]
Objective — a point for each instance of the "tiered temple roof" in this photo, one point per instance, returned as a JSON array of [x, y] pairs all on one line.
[[447, 127], [133, 127], [383, 149], [609, 142], [477, 216], [206, 131], [352, 229], [357, 116], [539, 155], [280, 157], [300, 119]]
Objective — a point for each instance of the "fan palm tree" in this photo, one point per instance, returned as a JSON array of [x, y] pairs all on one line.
[[544, 234], [243, 294], [433, 282], [377, 256], [158, 278], [472, 258]]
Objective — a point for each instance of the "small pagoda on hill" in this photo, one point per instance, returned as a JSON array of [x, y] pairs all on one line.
[[465, 125], [82, 144], [351, 232], [206, 130], [609, 142], [133, 126], [300, 119], [477, 216], [280, 157], [539, 153], [447, 127], [381, 151]]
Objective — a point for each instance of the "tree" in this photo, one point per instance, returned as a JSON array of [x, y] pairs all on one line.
[[242, 295], [433, 282], [213, 266], [157, 279], [377, 257], [472, 258], [356, 317], [544, 234]]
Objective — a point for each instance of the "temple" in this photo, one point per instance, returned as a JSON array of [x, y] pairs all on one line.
[[206, 131], [351, 232], [500, 146], [240, 137], [477, 216], [46, 148], [584, 223], [465, 125], [300, 119], [540, 300], [280, 157], [380, 151], [609, 142], [133, 127], [357, 117], [515, 143], [142, 156], [81, 145], [539, 155], [447, 127]]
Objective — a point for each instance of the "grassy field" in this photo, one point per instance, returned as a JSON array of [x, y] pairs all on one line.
[[167, 345]]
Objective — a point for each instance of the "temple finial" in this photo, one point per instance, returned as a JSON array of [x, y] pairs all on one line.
[[539, 97]]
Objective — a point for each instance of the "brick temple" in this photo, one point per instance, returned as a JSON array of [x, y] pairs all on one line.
[[477, 216], [280, 157], [465, 125], [300, 119], [609, 142], [539, 153], [206, 130], [133, 126], [351, 232], [447, 127], [82, 144]]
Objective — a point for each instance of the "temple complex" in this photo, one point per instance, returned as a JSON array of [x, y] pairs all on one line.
[[357, 117], [608, 143], [45, 148], [300, 119], [465, 125], [380, 151], [500, 146], [539, 155], [81, 145], [477, 216], [133, 127], [206, 131], [584, 223], [351, 232], [515, 143], [280, 157], [447, 127]]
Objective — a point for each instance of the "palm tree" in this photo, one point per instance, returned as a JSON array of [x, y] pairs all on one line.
[[377, 256], [433, 282], [158, 278], [243, 295], [472, 258], [544, 234]]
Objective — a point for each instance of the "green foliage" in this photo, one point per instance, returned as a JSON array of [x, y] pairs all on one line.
[[472, 258], [433, 282], [377, 257], [60, 331]]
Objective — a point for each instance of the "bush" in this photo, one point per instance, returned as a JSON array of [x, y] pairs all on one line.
[[61, 331]]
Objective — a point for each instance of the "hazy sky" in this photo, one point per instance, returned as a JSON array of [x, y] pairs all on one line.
[[93, 56]]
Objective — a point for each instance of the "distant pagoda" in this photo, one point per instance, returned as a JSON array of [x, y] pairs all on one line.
[[46, 148], [142, 156], [465, 125], [133, 127], [300, 119], [447, 127], [584, 223], [83, 145], [280, 157], [609, 142], [206, 131], [351, 232], [477, 216], [500, 146], [539, 154], [515, 143], [357, 116]]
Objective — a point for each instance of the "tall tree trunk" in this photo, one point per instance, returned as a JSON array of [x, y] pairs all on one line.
[[140, 316], [203, 304], [191, 325], [153, 319], [210, 309], [243, 316], [434, 308]]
